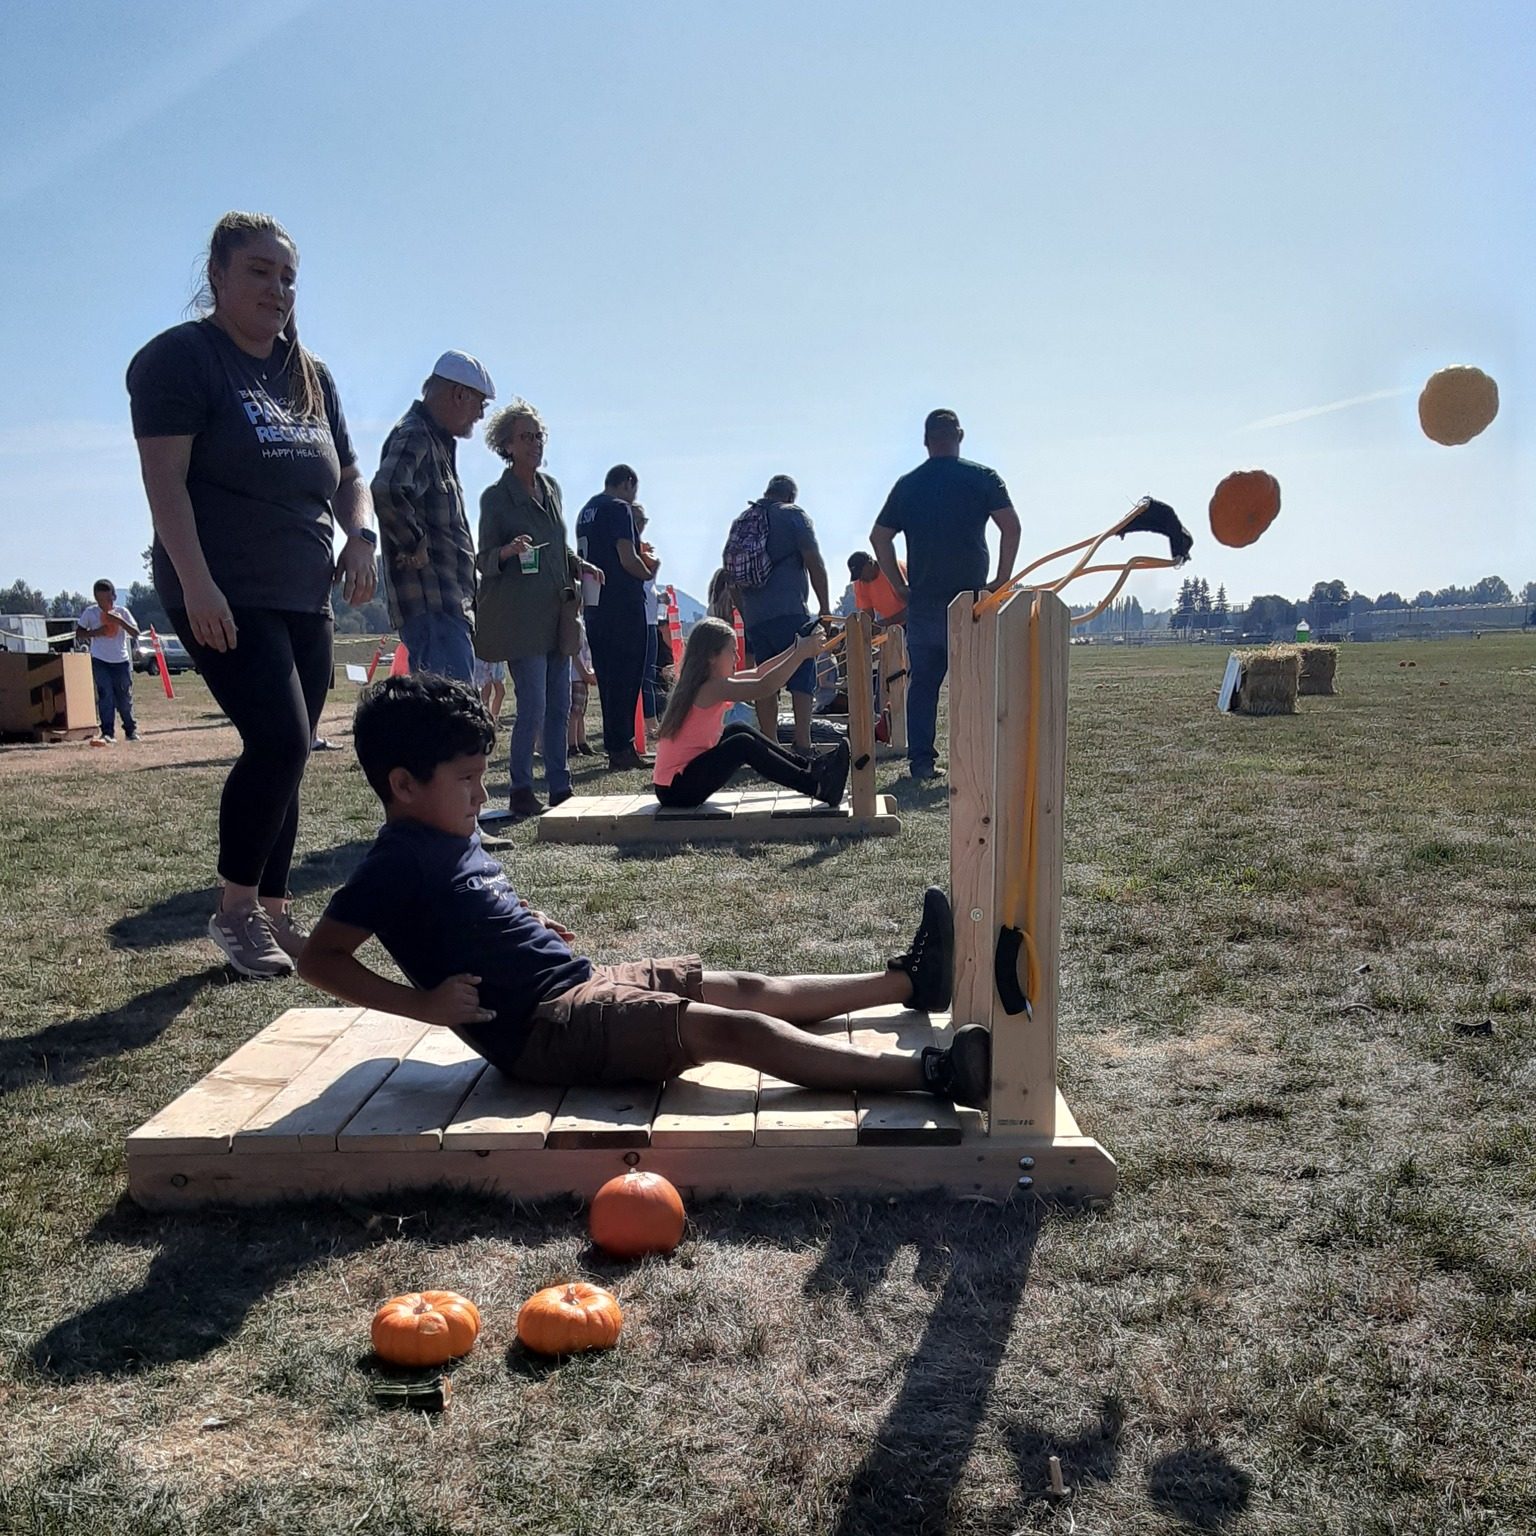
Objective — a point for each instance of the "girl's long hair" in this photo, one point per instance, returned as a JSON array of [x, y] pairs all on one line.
[[306, 399], [709, 638]]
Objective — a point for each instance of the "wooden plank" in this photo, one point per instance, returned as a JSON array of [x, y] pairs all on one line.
[[612, 1115], [903, 1119], [788, 803], [711, 1105], [719, 806], [320, 1099], [415, 1102], [755, 804], [789, 1115], [208, 1114], [893, 660], [1073, 1168], [502, 1112], [861, 715], [1024, 1045], [973, 694]]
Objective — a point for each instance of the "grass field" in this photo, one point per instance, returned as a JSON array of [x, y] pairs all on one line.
[[1300, 965]]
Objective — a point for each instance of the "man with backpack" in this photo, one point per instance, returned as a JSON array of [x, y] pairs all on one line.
[[772, 562]]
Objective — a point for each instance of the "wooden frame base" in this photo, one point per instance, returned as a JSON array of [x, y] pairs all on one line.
[[1065, 1167]]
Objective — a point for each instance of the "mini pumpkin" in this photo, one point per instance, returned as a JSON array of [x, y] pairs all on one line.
[[567, 1319], [635, 1214], [1245, 504], [425, 1328], [1456, 404]]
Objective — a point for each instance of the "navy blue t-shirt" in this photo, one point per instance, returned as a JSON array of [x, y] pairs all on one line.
[[786, 593], [601, 526], [441, 906], [943, 507]]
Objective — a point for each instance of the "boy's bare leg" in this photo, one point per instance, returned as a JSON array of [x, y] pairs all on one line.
[[805, 999], [712, 1033]]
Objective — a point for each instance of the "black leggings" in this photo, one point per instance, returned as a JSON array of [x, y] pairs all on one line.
[[272, 686], [739, 747]]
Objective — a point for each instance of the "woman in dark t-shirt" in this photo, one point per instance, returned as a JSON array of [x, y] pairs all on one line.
[[248, 467]]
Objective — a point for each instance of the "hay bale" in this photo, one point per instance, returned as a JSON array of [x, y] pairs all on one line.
[[1262, 682], [1319, 663]]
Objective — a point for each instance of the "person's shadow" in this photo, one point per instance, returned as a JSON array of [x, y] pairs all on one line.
[[59, 1053], [176, 919]]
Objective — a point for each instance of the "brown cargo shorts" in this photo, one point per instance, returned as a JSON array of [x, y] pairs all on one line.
[[622, 1025]]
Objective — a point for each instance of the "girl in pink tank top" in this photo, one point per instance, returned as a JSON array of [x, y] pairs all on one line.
[[694, 757]]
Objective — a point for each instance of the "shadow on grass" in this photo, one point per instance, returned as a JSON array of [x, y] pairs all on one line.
[[183, 916], [978, 1260], [1199, 1486], [59, 1053], [174, 1313]]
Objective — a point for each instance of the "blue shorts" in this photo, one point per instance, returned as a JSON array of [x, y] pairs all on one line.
[[767, 639]]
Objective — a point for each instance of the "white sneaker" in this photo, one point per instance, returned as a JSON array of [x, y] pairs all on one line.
[[250, 943], [290, 937]]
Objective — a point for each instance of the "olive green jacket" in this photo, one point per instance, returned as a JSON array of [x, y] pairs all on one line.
[[518, 611]]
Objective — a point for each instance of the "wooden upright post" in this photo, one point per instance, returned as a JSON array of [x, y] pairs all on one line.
[[861, 714], [893, 683], [972, 840], [1032, 635]]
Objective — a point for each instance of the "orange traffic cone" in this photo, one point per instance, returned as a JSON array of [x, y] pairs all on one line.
[[401, 665], [640, 724]]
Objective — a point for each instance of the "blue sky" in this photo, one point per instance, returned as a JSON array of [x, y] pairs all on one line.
[[1129, 243]]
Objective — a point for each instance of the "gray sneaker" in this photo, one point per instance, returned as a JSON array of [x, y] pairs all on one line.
[[249, 942]]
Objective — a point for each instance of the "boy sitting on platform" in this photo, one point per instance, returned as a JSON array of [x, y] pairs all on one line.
[[504, 978]]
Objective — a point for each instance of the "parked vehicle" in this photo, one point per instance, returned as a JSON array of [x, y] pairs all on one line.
[[177, 658]]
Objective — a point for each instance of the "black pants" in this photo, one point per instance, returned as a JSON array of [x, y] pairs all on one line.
[[739, 747], [272, 686], [618, 659]]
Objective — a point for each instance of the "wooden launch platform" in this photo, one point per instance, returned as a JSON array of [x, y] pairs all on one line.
[[748, 815], [342, 1102]]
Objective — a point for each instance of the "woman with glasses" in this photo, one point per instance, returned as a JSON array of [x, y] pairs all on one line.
[[528, 571]]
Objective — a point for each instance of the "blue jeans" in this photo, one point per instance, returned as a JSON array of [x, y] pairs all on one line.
[[439, 642], [648, 677], [542, 688], [928, 659], [114, 693]]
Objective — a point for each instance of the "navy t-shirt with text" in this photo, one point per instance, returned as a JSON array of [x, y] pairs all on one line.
[[261, 479], [442, 906], [943, 507], [601, 526]]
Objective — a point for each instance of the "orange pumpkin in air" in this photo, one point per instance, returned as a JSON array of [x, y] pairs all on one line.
[[568, 1319], [1245, 504], [1456, 404], [425, 1328], [635, 1214]]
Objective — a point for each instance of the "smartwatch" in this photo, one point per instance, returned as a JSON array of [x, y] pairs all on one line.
[[367, 535]]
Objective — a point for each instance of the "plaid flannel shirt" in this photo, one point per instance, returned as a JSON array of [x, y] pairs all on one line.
[[419, 502]]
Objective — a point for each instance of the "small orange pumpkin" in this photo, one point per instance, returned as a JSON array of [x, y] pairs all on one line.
[[567, 1319], [1456, 404], [425, 1328], [636, 1213], [1245, 504]]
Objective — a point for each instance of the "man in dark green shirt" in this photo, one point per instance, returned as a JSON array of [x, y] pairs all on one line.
[[943, 507]]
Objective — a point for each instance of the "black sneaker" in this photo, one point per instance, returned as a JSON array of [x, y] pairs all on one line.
[[931, 960], [831, 772], [961, 1071]]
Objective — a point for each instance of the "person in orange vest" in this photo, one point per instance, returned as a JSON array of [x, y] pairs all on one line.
[[873, 592]]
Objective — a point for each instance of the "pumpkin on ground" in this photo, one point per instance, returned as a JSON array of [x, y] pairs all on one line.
[[567, 1319], [425, 1328], [635, 1214], [1245, 504], [1456, 404]]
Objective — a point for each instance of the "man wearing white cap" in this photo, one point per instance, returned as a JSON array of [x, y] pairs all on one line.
[[429, 557]]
